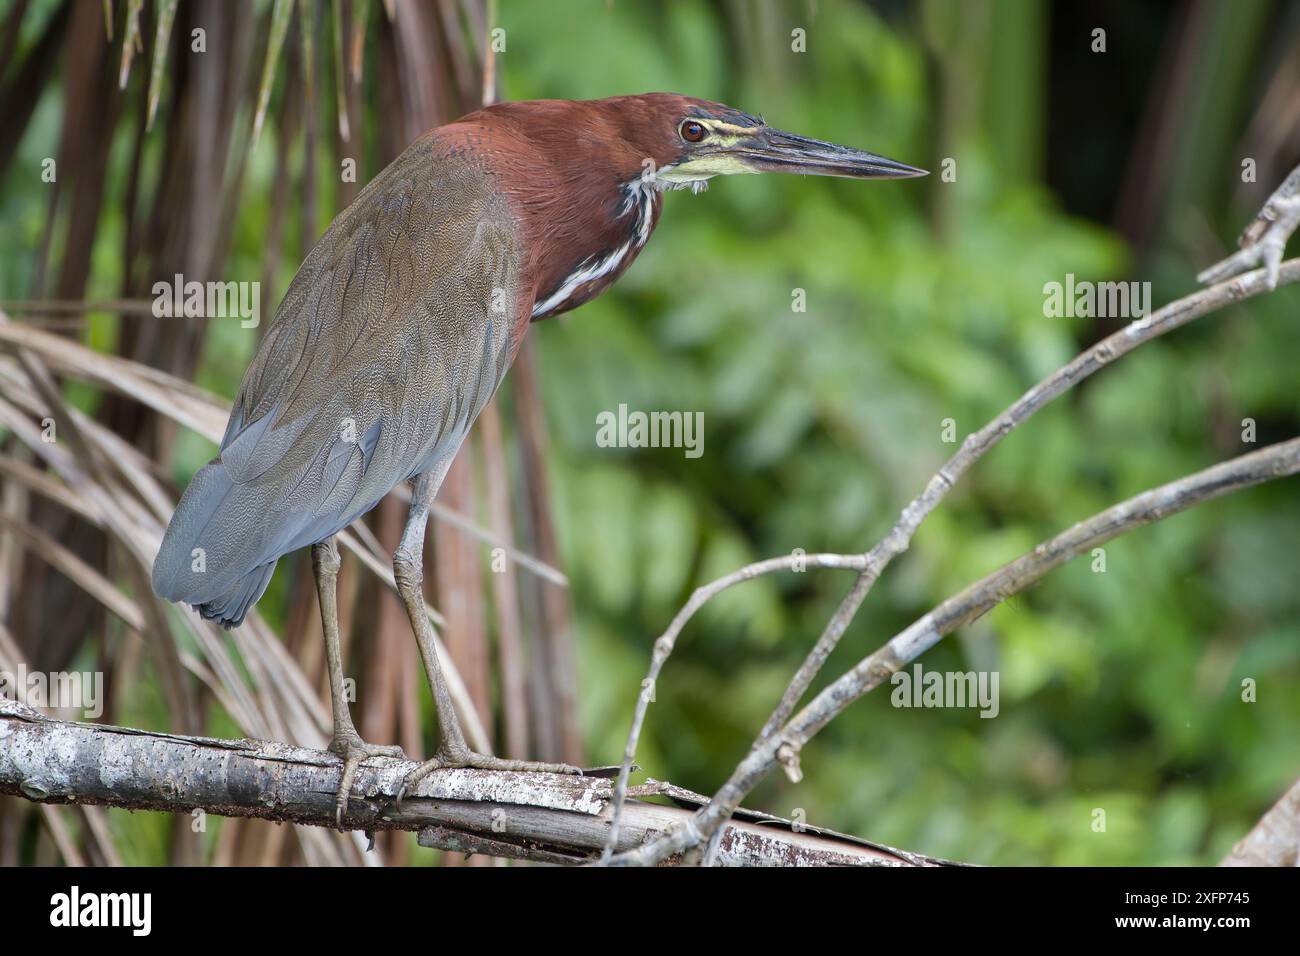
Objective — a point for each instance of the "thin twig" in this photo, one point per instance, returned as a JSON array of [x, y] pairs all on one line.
[[1264, 240], [872, 564], [784, 746], [1174, 315], [663, 647]]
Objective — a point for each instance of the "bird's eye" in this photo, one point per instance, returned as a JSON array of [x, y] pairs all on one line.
[[692, 131]]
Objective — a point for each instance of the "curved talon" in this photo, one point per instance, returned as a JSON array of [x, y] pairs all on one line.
[[350, 765], [416, 775], [354, 753]]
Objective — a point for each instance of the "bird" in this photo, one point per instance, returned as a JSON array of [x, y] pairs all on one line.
[[402, 321]]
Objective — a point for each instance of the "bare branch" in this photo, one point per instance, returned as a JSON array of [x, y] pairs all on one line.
[[1172, 316], [533, 816], [784, 746], [1264, 240], [663, 647], [1275, 841], [873, 563]]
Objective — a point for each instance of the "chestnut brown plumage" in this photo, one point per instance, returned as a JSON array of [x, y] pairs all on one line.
[[402, 321]]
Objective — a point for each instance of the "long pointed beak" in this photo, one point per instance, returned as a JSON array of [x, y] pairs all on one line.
[[775, 151]]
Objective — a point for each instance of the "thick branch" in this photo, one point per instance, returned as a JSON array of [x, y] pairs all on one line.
[[543, 817]]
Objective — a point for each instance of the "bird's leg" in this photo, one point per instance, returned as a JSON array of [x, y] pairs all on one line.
[[347, 743], [408, 564]]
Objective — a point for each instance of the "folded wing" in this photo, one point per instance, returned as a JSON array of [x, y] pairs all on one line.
[[392, 337]]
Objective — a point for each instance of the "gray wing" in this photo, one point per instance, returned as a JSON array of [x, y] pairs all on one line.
[[392, 337]]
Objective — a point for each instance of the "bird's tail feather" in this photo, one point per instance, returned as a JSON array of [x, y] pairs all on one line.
[[229, 609], [207, 560]]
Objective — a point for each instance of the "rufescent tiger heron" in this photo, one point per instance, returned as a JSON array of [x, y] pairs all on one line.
[[401, 323]]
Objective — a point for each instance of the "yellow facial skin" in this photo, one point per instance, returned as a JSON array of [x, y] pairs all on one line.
[[715, 157]]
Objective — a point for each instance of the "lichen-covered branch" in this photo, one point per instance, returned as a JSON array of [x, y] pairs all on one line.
[[543, 817]]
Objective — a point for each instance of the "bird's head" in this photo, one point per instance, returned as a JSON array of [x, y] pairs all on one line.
[[588, 175], [688, 141]]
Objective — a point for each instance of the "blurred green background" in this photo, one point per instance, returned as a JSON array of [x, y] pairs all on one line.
[[1119, 690]]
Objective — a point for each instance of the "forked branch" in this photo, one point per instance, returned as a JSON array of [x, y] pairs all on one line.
[[1262, 245], [784, 745]]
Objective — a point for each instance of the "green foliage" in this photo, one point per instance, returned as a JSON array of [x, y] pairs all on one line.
[[1120, 690]]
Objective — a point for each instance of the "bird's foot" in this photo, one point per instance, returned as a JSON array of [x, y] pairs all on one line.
[[355, 752], [478, 761]]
